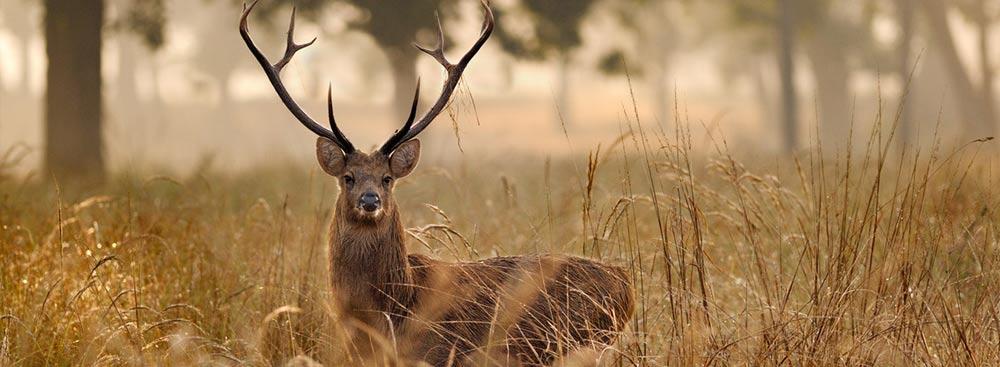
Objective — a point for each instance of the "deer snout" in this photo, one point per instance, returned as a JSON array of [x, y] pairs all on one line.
[[369, 202]]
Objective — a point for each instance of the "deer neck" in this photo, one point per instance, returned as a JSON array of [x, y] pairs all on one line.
[[369, 266]]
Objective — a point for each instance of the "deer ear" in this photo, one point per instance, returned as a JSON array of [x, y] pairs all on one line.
[[331, 157], [405, 158]]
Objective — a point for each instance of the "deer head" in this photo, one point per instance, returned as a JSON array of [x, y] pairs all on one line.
[[367, 179]]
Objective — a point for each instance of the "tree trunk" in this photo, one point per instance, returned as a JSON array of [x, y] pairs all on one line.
[[786, 66], [73, 142], [226, 96], [155, 100], [831, 72], [25, 83], [767, 107], [403, 61], [973, 107], [661, 90], [660, 39], [126, 93], [984, 28], [3, 85], [904, 48], [563, 90]]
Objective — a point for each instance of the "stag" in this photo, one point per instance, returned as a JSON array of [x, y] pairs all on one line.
[[514, 310]]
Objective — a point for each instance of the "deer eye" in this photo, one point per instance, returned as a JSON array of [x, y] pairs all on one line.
[[348, 179], [387, 180]]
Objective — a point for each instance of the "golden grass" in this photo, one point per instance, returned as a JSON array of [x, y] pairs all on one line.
[[870, 258]]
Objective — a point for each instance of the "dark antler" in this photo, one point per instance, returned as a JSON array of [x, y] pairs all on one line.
[[273, 73], [409, 130]]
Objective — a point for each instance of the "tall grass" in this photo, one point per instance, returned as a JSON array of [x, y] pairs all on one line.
[[863, 256]]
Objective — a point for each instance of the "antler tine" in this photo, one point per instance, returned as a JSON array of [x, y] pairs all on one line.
[[485, 32], [347, 146], [438, 51], [273, 72], [454, 76], [291, 47], [397, 137]]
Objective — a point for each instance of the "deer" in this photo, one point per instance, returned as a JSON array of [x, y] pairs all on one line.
[[506, 311]]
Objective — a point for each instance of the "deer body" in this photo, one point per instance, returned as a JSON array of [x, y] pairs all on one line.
[[518, 310], [441, 311]]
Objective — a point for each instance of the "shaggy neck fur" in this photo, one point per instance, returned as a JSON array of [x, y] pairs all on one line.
[[369, 268]]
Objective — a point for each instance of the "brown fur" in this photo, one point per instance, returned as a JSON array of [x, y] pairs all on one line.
[[518, 310]]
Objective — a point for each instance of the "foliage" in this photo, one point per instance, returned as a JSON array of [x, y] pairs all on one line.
[[554, 27], [390, 23], [613, 63], [147, 19]]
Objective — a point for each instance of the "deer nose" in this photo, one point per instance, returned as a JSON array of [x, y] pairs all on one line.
[[369, 201]]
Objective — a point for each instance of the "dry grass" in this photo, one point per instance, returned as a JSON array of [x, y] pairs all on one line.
[[871, 258]]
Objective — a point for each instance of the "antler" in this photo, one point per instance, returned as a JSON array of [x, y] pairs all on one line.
[[410, 131], [273, 73]]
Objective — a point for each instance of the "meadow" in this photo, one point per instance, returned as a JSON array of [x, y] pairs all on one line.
[[872, 255]]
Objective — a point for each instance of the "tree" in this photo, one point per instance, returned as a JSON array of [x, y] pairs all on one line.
[[650, 25], [983, 14], [838, 42], [138, 29], [786, 65], [975, 101], [73, 141], [554, 35], [776, 20], [393, 26], [835, 39], [21, 21], [216, 44], [905, 10], [74, 146]]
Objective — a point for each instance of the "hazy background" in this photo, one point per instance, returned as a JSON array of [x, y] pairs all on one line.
[[180, 89], [210, 226]]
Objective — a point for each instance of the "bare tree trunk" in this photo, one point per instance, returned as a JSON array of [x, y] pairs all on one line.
[[125, 108], [660, 38], [25, 84], [662, 45], [662, 92], [20, 18], [126, 93], [562, 91], [403, 61], [73, 101], [984, 28], [973, 107], [786, 66], [3, 85], [758, 69], [831, 72], [226, 96], [3, 95], [906, 10], [155, 97]]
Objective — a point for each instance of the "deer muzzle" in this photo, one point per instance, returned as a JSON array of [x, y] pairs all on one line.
[[370, 202]]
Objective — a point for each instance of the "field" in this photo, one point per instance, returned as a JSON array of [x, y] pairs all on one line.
[[883, 256]]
